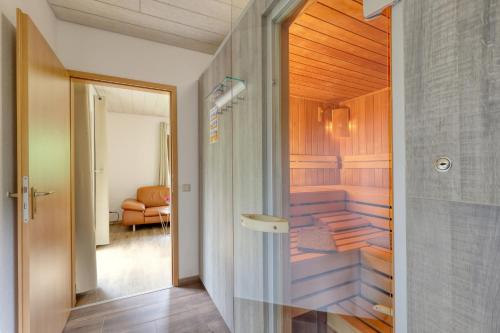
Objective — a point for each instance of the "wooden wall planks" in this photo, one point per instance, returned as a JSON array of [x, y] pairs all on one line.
[[369, 135], [309, 136], [369, 139]]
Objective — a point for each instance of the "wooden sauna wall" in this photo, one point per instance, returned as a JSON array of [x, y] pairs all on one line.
[[370, 135], [308, 136]]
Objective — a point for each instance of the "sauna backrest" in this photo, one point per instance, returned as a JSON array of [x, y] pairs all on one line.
[[377, 161], [313, 162]]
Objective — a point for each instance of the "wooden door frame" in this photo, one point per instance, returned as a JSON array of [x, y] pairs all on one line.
[[87, 77]]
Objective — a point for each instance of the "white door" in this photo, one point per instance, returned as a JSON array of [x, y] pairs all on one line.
[[101, 172]]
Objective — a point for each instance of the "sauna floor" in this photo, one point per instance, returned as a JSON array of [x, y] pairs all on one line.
[[133, 262], [179, 310]]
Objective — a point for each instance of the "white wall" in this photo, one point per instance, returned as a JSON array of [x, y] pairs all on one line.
[[133, 154], [45, 20], [87, 49]]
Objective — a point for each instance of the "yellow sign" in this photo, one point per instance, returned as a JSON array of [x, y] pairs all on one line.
[[214, 124]]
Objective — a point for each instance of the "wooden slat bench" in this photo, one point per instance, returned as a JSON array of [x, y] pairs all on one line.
[[358, 275], [357, 314]]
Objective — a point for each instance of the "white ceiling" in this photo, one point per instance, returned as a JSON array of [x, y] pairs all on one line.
[[135, 101], [199, 25]]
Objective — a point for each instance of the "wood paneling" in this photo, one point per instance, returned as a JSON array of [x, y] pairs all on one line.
[[366, 152], [310, 135], [313, 162], [348, 55], [196, 25]]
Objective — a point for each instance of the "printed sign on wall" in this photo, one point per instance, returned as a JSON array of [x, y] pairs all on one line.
[[214, 124]]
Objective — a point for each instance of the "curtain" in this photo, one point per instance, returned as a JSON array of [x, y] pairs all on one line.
[[85, 258], [165, 155]]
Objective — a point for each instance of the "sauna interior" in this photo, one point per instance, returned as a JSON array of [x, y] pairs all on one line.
[[340, 168]]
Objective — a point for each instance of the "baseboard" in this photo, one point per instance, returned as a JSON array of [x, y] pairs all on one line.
[[195, 279]]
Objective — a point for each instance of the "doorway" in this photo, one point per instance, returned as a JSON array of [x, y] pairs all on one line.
[[336, 84], [124, 188]]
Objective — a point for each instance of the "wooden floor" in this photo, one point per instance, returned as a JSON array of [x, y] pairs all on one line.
[[133, 262], [178, 310]]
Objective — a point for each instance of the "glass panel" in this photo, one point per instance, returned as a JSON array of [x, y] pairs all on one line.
[[318, 154], [340, 205]]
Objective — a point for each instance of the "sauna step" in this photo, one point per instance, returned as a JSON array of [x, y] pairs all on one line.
[[339, 222], [377, 258], [340, 320], [356, 315], [356, 238], [343, 213]]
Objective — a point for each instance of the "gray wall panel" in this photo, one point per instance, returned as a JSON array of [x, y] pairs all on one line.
[[452, 72], [232, 178], [452, 52], [453, 266], [216, 196]]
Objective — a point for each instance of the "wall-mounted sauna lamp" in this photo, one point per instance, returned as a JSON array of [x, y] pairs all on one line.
[[341, 120]]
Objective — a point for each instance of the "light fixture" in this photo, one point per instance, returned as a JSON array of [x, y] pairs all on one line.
[[341, 118], [320, 114]]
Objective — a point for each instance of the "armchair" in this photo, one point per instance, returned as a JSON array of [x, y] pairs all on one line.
[[151, 206]]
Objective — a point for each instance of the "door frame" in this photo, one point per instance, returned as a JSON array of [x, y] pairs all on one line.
[[87, 77], [276, 157]]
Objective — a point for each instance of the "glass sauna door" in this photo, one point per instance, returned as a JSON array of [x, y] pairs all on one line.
[[326, 143]]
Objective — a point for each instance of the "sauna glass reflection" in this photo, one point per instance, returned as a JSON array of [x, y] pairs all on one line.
[[340, 162]]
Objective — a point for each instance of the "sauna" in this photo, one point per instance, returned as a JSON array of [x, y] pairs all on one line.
[[340, 167]]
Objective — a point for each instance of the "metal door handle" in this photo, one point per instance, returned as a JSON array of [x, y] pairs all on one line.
[[35, 194], [265, 223], [12, 195], [42, 194]]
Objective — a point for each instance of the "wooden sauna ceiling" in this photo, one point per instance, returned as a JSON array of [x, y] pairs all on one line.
[[335, 54]]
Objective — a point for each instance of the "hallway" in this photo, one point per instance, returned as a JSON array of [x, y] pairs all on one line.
[[187, 309]]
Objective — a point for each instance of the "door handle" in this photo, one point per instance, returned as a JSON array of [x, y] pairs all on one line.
[[35, 194], [12, 195], [42, 194], [265, 223]]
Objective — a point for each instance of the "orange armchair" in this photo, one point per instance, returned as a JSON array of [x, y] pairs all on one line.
[[151, 206]]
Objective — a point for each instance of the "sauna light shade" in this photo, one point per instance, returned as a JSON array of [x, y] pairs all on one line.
[[341, 119]]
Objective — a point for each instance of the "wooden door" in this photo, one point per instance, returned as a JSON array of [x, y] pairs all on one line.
[[43, 153]]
